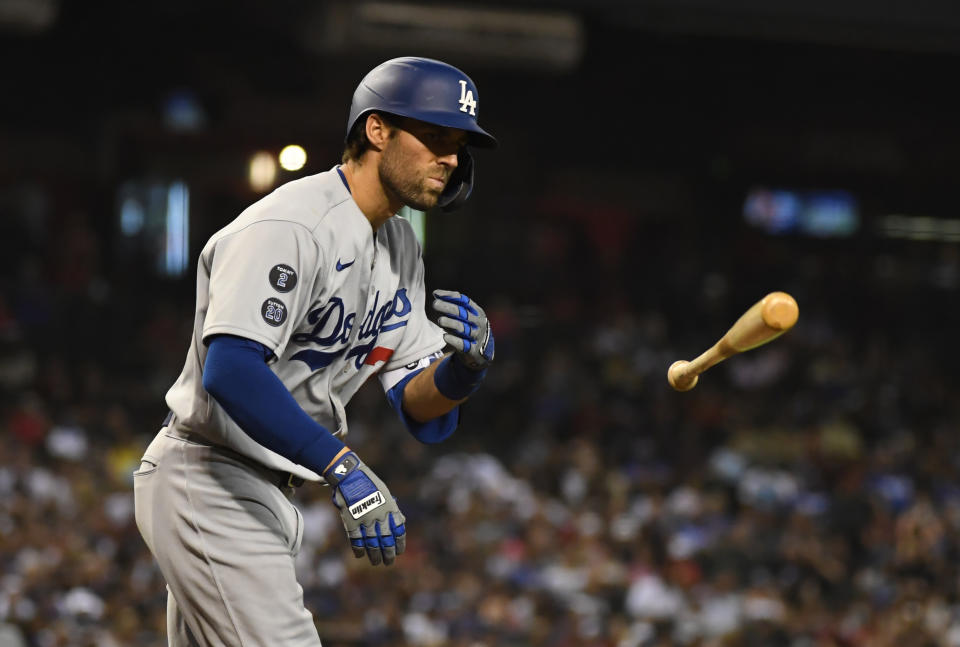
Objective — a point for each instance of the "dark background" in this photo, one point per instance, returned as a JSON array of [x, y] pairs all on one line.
[[802, 494], [712, 95]]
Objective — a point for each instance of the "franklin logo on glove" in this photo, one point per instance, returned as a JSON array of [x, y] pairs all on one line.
[[375, 500]]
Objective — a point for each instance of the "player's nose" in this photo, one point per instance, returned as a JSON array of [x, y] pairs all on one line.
[[450, 160]]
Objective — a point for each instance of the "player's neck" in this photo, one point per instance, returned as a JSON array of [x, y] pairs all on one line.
[[369, 193]]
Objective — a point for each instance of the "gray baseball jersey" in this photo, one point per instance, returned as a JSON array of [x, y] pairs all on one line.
[[302, 272]]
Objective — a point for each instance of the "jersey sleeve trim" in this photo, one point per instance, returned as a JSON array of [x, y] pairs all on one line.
[[222, 329], [390, 378], [399, 361]]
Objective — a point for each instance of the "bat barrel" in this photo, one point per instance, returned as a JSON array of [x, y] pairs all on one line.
[[779, 310]]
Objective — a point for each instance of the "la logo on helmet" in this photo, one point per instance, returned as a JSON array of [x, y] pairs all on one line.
[[466, 99]]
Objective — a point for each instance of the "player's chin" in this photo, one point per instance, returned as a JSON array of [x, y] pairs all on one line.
[[426, 200]]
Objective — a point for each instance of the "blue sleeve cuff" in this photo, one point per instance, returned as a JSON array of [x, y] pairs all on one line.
[[430, 432], [236, 375], [456, 381]]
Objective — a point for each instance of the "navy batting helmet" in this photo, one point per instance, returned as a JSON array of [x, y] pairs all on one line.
[[430, 91]]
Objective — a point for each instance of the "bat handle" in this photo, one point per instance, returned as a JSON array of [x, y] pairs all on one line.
[[684, 375], [681, 377]]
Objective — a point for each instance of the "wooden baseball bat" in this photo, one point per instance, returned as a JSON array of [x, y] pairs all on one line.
[[766, 320]]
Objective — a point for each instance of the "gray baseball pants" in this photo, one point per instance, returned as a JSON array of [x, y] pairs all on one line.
[[225, 539]]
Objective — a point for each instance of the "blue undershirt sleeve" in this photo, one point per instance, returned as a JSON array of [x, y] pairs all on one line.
[[430, 432], [236, 375]]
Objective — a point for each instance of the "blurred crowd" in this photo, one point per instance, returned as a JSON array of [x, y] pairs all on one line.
[[805, 494]]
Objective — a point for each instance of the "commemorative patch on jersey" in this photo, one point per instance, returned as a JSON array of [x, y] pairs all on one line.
[[283, 278], [274, 311]]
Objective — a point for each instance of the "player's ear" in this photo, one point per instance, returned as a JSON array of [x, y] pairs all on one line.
[[378, 130]]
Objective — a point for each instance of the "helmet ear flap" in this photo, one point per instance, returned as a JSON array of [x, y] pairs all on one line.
[[460, 186]]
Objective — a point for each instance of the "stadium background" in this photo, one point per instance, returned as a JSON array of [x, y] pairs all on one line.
[[662, 166]]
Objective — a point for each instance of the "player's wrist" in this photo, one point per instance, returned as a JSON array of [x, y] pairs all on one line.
[[455, 380], [336, 458], [320, 452], [339, 468]]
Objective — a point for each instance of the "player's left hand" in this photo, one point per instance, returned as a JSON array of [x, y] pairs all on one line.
[[466, 328]]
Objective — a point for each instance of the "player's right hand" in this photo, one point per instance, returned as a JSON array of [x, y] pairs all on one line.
[[371, 518], [465, 328]]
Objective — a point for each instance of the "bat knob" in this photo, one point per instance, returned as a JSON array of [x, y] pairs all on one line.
[[679, 379]]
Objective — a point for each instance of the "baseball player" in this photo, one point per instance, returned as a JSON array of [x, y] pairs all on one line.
[[308, 293]]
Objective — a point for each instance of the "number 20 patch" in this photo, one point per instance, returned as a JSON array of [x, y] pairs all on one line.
[[273, 311]]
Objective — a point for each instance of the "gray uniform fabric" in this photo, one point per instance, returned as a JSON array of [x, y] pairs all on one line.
[[225, 539], [301, 272], [356, 306]]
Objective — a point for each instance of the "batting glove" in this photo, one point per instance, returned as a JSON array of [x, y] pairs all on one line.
[[465, 327], [371, 518]]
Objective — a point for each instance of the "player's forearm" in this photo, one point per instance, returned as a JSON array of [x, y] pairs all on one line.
[[422, 401], [238, 379]]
